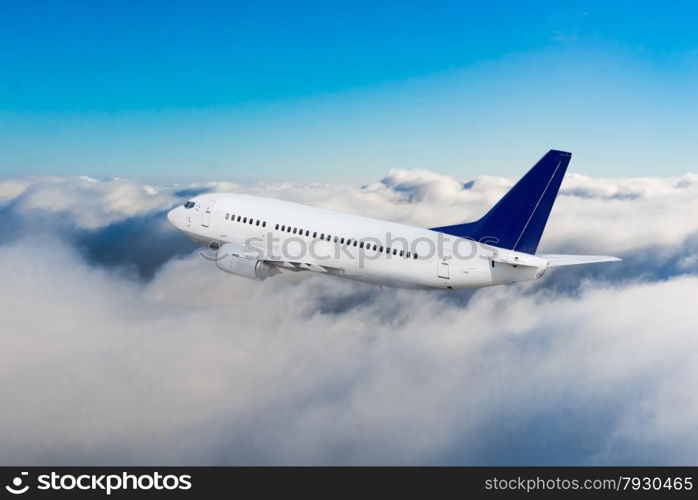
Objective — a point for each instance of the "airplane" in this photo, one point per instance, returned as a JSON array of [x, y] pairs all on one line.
[[257, 238]]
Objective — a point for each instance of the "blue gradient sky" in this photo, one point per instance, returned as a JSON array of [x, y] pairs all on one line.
[[331, 91]]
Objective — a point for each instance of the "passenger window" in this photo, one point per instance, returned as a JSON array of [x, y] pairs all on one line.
[[355, 243], [381, 249], [244, 220], [361, 245], [314, 234], [402, 253], [341, 240], [322, 236], [251, 221], [394, 251], [226, 216], [307, 232], [375, 247], [276, 227], [335, 239], [414, 256], [264, 224]]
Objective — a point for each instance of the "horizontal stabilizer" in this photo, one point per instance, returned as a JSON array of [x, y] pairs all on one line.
[[558, 260]]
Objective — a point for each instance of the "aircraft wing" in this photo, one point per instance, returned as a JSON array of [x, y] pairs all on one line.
[[256, 253], [306, 266]]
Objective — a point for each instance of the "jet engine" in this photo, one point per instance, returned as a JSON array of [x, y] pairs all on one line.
[[241, 261]]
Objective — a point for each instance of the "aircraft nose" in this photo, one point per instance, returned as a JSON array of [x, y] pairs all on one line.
[[172, 217]]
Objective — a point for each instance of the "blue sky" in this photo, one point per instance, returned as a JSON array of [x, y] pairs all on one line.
[[333, 91]]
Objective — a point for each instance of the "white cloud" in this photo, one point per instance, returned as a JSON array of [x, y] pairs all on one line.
[[195, 366], [12, 188], [591, 215], [89, 202], [101, 369]]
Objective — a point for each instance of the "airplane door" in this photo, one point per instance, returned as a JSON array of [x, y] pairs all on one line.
[[206, 215], [442, 269]]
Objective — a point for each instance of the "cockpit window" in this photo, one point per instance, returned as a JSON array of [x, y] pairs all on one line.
[[189, 204]]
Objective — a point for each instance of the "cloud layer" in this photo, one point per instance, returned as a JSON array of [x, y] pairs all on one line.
[[120, 345]]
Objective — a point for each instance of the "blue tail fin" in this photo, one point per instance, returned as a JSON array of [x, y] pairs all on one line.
[[517, 221]]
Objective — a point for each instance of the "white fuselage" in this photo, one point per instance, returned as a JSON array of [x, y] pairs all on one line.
[[301, 237]]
